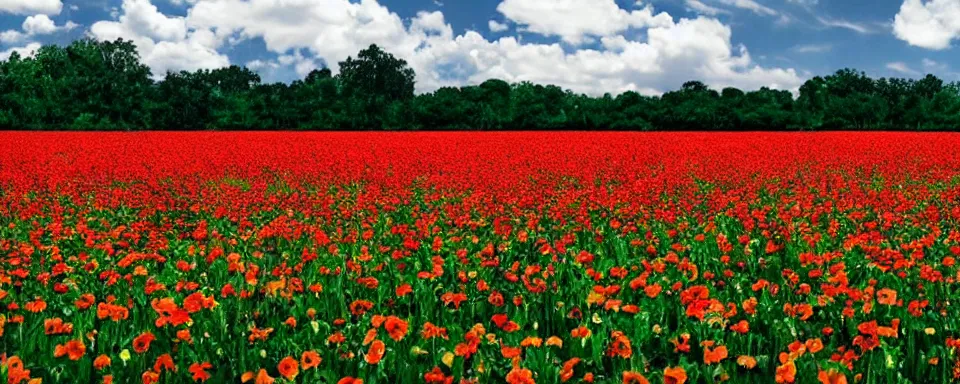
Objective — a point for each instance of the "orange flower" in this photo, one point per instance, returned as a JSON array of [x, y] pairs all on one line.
[[337, 338], [288, 368], [652, 291], [15, 371], [436, 376], [510, 352], [150, 377], [350, 380], [747, 362], [554, 341], [681, 345], [169, 313], [370, 336], [630, 377], [403, 290], [199, 371], [184, 335], [142, 343], [359, 307], [832, 376], [887, 296], [396, 328], [431, 331], [85, 301], [531, 341], [73, 349], [580, 332], [56, 326], [712, 356], [786, 373], [620, 346], [164, 362], [376, 352], [519, 375], [310, 359], [566, 373], [814, 345], [101, 362], [674, 375], [263, 378], [741, 327], [35, 306]]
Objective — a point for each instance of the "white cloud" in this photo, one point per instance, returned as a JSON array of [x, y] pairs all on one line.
[[637, 49], [750, 5], [165, 43], [930, 65], [704, 9], [845, 24], [31, 7], [932, 24], [39, 25], [33, 26], [575, 21], [302, 65], [496, 26], [812, 48], [11, 36], [901, 67], [27, 51]]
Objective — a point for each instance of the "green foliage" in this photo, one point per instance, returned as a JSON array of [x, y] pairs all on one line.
[[102, 85]]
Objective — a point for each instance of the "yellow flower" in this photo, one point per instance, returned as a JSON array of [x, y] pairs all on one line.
[[447, 359], [125, 355]]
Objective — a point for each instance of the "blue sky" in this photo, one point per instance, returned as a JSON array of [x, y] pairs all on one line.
[[591, 46]]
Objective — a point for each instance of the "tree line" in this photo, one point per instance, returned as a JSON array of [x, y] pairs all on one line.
[[103, 85]]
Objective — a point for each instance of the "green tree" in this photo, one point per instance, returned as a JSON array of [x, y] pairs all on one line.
[[371, 83]]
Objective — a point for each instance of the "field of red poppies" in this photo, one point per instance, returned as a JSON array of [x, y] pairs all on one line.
[[479, 257]]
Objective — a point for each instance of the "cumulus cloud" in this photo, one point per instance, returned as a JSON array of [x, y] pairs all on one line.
[[33, 26], [932, 24], [497, 26], [575, 21], [636, 49], [26, 51], [31, 7], [165, 43], [39, 25]]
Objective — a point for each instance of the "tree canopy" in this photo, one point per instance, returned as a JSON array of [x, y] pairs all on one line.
[[103, 85]]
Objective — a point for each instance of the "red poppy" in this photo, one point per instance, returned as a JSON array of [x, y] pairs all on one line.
[[375, 352], [288, 368], [199, 371], [142, 342]]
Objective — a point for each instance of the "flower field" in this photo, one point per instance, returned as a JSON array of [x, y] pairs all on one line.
[[479, 257]]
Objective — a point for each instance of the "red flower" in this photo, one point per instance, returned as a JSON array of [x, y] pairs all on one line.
[[288, 368], [142, 343], [199, 371], [375, 352]]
